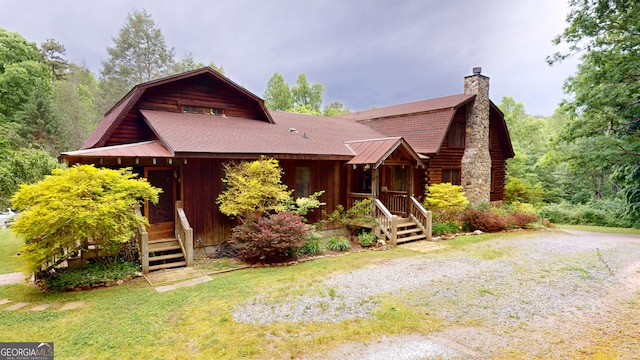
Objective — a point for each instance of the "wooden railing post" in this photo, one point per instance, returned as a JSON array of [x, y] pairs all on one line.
[[184, 233], [394, 230], [429, 227], [144, 251]]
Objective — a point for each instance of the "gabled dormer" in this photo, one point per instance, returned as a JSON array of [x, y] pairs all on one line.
[[201, 91]]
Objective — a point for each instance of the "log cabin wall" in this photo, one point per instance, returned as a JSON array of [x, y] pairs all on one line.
[[448, 158]]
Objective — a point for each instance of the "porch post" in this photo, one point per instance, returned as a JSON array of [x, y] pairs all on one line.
[[375, 183]]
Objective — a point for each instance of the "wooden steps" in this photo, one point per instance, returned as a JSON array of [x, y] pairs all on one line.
[[407, 231], [165, 254]]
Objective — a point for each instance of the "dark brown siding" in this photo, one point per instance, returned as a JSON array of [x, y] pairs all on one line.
[[202, 182], [132, 129], [197, 91]]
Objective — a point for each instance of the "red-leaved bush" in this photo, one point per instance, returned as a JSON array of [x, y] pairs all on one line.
[[271, 235], [484, 220], [488, 220], [521, 220]]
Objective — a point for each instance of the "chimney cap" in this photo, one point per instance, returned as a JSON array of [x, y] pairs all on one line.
[[477, 70]]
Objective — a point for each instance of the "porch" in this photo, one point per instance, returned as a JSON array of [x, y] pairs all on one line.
[[385, 170]]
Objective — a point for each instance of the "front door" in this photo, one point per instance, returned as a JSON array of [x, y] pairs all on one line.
[[161, 215]]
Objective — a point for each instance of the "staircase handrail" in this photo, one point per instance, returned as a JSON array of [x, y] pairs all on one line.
[[387, 221], [184, 233], [420, 216]]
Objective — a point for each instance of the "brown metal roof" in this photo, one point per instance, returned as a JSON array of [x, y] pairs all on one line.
[[375, 151], [142, 149], [292, 133]]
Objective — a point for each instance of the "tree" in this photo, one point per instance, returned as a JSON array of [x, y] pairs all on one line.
[[77, 207], [24, 166], [53, 53], [74, 103], [188, 63], [307, 96], [139, 54], [252, 187], [15, 49], [334, 109], [277, 95], [604, 112]]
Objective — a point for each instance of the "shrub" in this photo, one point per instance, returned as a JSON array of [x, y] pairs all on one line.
[[272, 235], [597, 213], [358, 215], [447, 201], [366, 238], [91, 274], [303, 205], [67, 209], [519, 220], [313, 245], [485, 220], [449, 227], [517, 190], [254, 186], [338, 244]]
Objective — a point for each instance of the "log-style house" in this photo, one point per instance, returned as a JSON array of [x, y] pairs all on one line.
[[179, 131]]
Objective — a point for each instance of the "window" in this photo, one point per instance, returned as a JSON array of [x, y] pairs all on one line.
[[456, 134], [203, 110], [451, 176], [303, 181]]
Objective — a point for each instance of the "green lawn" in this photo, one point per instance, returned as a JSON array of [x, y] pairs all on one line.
[[601, 229], [9, 245], [133, 321]]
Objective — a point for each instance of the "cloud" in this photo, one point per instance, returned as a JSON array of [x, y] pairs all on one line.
[[379, 52]]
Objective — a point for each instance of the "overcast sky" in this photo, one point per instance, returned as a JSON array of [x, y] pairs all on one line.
[[365, 52]]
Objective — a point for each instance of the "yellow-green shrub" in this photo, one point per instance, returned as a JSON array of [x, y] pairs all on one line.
[[74, 205], [446, 201]]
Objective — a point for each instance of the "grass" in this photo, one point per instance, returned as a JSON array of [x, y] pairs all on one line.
[[133, 321], [9, 246], [600, 229]]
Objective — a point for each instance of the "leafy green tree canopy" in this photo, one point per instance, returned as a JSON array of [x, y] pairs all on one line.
[[277, 95], [605, 108], [66, 210]]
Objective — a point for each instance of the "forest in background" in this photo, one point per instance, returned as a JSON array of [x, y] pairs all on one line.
[[581, 165]]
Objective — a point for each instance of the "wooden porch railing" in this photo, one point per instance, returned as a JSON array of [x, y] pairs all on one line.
[[420, 216], [184, 233], [387, 222], [395, 201]]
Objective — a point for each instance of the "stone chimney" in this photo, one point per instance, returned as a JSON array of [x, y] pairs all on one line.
[[476, 161]]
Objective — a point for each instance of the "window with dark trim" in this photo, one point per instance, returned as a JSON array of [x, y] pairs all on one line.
[[303, 181], [451, 176], [203, 110], [456, 135]]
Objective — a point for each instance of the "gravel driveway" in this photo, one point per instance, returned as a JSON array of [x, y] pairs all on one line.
[[530, 294]]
